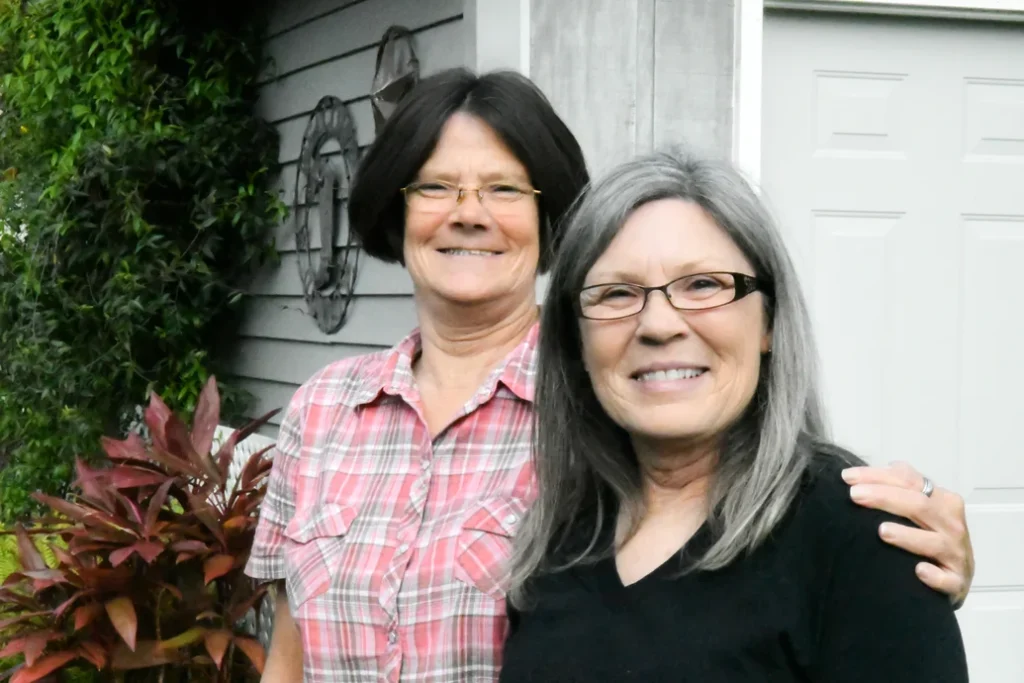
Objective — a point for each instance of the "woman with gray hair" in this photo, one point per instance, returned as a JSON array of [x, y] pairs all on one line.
[[691, 522]]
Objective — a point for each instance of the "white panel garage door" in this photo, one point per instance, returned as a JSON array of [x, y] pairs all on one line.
[[894, 156]]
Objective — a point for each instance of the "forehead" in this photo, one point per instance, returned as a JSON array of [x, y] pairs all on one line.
[[668, 238], [468, 146]]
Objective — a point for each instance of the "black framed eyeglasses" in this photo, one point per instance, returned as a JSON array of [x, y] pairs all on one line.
[[698, 292]]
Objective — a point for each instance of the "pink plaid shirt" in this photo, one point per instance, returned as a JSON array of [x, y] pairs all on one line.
[[394, 546]]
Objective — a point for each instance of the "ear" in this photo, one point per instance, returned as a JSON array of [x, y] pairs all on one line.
[[766, 342]]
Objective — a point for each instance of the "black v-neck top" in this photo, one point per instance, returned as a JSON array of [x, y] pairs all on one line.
[[822, 600]]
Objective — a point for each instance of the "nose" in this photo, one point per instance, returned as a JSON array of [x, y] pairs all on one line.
[[470, 212], [660, 322]]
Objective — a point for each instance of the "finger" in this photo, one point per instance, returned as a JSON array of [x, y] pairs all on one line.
[[900, 475], [927, 544], [942, 580], [901, 502]]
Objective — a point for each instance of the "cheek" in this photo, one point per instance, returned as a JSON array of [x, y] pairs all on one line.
[[418, 229], [523, 231], [736, 338], [603, 348]]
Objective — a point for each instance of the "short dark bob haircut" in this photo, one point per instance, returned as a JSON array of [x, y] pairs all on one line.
[[512, 106]]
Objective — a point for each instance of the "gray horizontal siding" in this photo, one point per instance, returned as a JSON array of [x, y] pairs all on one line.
[[318, 48]]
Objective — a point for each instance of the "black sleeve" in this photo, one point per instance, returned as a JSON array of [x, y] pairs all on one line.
[[880, 623]]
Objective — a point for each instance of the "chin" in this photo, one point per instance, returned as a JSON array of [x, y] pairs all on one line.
[[670, 423], [469, 296]]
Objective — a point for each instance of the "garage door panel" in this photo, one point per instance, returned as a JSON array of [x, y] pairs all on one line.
[[992, 330], [893, 155], [991, 624], [993, 120]]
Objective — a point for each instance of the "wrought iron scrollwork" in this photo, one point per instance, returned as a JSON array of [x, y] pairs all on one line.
[[323, 180]]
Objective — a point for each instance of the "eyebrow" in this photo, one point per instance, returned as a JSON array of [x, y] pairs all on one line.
[[488, 177], [633, 277]]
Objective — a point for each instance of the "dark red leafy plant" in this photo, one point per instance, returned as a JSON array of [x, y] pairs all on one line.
[[150, 583]]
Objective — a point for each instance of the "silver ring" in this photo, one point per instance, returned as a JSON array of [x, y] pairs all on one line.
[[928, 487]]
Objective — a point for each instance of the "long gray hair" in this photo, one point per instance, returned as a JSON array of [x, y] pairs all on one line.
[[585, 462]]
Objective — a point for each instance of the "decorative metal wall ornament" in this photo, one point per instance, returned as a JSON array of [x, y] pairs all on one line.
[[397, 71], [322, 183]]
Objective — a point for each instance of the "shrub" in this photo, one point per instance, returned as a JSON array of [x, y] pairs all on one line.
[[133, 198], [150, 583]]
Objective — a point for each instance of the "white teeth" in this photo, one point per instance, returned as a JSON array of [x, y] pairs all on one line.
[[669, 375], [468, 252]]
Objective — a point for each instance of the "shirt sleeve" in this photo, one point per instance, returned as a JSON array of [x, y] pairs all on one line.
[[266, 560], [879, 621]]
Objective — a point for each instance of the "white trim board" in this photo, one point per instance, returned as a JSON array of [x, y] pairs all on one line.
[[748, 54], [1004, 10], [499, 35]]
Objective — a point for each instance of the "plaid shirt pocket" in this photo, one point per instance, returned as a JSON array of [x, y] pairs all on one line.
[[316, 540], [485, 544]]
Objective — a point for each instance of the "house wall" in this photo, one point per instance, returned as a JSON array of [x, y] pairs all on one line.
[[317, 48], [626, 75], [629, 76]]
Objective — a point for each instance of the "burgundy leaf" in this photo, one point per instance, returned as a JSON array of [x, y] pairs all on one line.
[[118, 557], [253, 466], [94, 653], [131, 507], [95, 484], [206, 417], [64, 557], [180, 444], [126, 476], [204, 512], [21, 618], [147, 654], [183, 557], [85, 515], [249, 429], [156, 417], [66, 605], [156, 504], [36, 643], [217, 566], [86, 614], [217, 644], [27, 551], [105, 580], [43, 667], [31, 645], [239, 610], [253, 650], [190, 546], [149, 550], [131, 448], [44, 574], [122, 615]]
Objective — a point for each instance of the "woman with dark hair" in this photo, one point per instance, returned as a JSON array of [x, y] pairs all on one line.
[[691, 522], [400, 477]]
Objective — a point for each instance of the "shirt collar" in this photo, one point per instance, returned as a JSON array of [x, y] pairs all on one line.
[[393, 374]]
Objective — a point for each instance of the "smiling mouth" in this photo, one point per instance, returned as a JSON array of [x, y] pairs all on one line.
[[469, 252], [669, 375]]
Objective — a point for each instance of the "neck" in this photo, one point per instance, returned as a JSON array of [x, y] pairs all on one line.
[[678, 477], [462, 344]]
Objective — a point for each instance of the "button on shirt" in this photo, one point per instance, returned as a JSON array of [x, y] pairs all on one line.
[[394, 546]]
